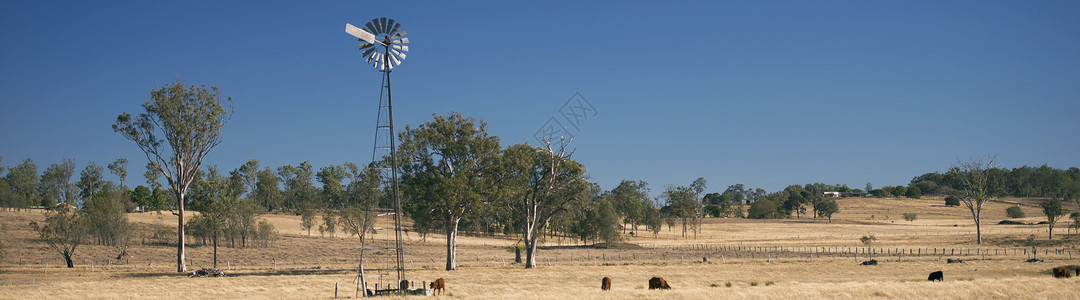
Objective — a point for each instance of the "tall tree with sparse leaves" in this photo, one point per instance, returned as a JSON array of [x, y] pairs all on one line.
[[179, 128], [975, 188], [119, 168]]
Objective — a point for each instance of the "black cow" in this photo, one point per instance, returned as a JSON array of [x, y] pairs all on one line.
[[872, 262], [658, 283], [936, 276]]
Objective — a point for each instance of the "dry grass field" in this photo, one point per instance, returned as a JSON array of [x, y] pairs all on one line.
[[757, 259]]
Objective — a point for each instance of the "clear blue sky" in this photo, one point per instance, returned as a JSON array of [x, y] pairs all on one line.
[[764, 93]]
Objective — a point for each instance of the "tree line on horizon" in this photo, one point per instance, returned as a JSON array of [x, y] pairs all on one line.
[[455, 177]]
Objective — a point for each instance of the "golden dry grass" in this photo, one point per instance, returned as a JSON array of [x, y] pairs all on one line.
[[308, 266]]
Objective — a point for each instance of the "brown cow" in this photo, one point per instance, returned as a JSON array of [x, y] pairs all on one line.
[[438, 285], [605, 284], [1062, 272], [658, 283]]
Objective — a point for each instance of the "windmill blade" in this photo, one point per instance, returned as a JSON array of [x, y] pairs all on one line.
[[390, 26], [367, 52], [398, 53], [393, 29], [382, 25], [366, 46], [403, 40], [397, 34], [394, 60], [371, 27], [360, 33], [402, 48]]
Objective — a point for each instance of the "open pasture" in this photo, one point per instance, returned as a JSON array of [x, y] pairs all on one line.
[[759, 259]]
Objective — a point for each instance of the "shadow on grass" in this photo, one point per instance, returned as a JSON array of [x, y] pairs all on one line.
[[245, 273], [597, 246]]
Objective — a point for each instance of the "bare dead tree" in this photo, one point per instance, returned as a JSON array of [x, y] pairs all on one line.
[[975, 190]]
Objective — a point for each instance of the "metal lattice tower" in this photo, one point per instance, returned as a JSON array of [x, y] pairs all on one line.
[[384, 47]]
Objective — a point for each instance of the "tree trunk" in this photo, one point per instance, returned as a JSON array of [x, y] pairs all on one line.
[[180, 267], [531, 236], [530, 253], [451, 244], [1051, 230], [978, 233], [67, 258], [215, 250]]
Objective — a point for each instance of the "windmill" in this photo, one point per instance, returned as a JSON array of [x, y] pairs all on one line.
[[383, 45]]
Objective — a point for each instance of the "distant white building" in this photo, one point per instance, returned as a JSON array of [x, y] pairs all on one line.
[[831, 194]]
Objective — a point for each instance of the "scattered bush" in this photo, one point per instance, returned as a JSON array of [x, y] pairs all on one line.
[[753, 283], [910, 217], [914, 192], [1014, 212], [727, 284], [768, 283], [952, 201]]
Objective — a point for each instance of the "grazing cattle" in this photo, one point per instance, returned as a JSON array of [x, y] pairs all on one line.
[[954, 261], [605, 284], [658, 283], [936, 276], [872, 262], [438, 285], [1062, 272]]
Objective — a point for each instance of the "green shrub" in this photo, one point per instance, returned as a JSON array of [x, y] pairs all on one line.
[[910, 217], [1014, 212], [952, 201]]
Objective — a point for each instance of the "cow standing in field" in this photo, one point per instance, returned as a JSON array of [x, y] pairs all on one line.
[[936, 276], [605, 284], [438, 285], [658, 283], [1062, 272]]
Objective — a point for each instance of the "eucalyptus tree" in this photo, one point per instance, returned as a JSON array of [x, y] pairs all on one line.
[[548, 182], [190, 120], [119, 168], [91, 181], [23, 181], [249, 175], [56, 186], [63, 231], [333, 191], [630, 199], [1053, 211], [684, 204], [446, 169], [298, 187], [267, 193]]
